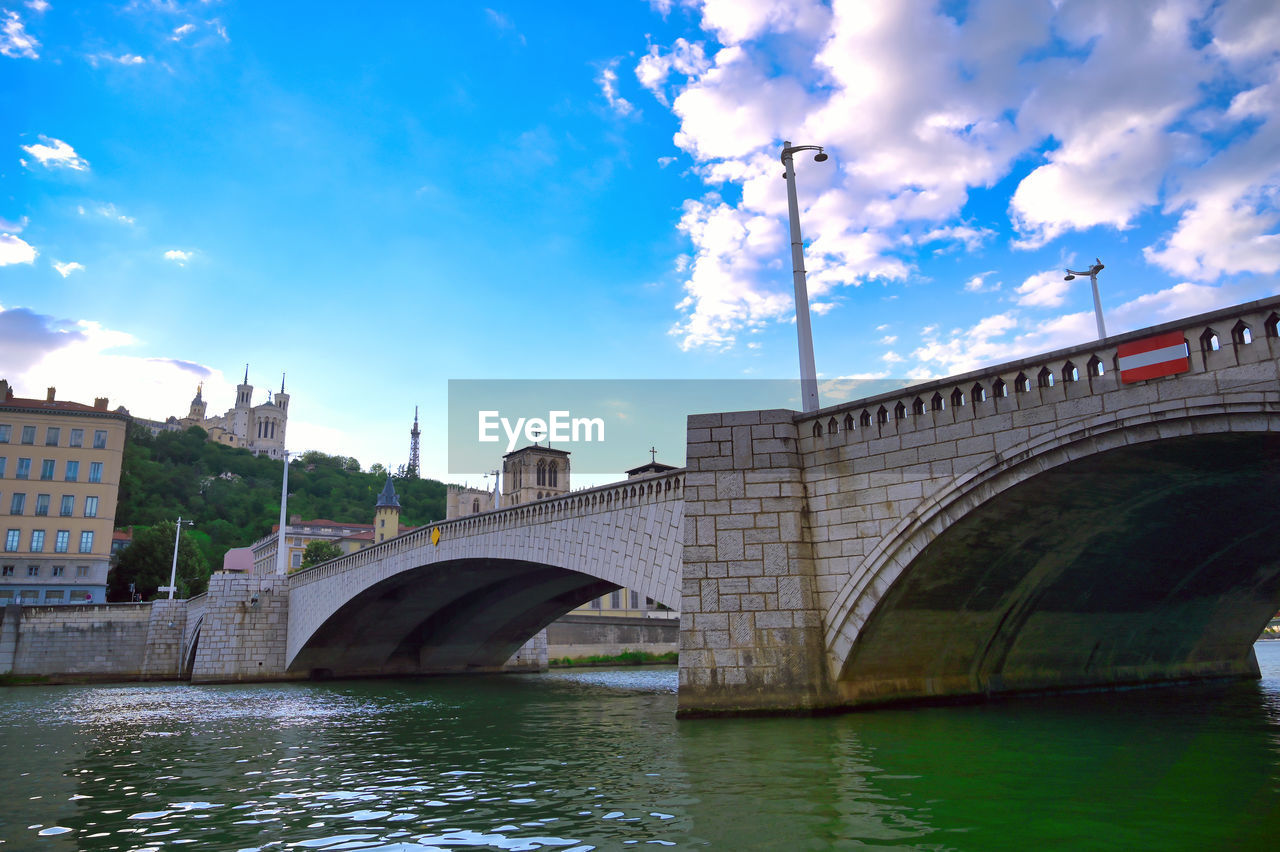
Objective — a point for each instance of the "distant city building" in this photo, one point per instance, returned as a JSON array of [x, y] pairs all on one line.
[[59, 480], [259, 428], [534, 473], [463, 500], [349, 537]]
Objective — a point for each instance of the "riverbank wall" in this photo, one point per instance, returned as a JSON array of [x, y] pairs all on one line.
[[69, 642], [608, 636]]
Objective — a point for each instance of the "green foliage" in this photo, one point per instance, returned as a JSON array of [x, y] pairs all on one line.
[[319, 551], [234, 496], [147, 561]]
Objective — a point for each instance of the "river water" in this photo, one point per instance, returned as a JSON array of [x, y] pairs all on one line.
[[596, 760]]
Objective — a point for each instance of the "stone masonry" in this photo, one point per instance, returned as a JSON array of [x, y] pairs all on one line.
[[243, 634], [750, 628]]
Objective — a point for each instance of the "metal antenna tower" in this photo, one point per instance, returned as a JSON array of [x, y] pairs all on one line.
[[412, 471]]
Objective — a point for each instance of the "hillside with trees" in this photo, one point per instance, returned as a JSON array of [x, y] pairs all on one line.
[[234, 496]]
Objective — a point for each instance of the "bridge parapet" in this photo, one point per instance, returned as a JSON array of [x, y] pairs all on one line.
[[659, 488], [1011, 392]]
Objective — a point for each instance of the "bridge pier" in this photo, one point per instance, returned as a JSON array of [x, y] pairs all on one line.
[[751, 633], [244, 632]]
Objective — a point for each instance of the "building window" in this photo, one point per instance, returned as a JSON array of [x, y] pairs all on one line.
[[68, 507], [5, 431], [595, 604], [77, 438], [29, 596], [42, 504], [62, 541], [86, 541], [6, 571], [46, 469], [635, 600], [82, 571], [53, 595], [91, 507], [95, 471], [296, 560], [11, 540], [33, 570], [615, 600], [51, 436], [28, 434], [6, 596], [73, 471], [17, 504], [4, 461], [57, 570], [100, 439], [24, 469], [37, 541]]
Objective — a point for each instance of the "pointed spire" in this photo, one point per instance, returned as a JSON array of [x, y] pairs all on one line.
[[282, 375], [415, 415], [388, 496], [246, 374]]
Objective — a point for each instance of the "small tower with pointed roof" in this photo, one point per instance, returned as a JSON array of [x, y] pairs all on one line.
[[386, 515], [282, 398]]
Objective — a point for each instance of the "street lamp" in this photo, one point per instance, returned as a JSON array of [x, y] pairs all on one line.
[[808, 373], [173, 569], [1093, 281]]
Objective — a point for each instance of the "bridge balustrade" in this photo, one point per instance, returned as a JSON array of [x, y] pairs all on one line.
[[985, 393]]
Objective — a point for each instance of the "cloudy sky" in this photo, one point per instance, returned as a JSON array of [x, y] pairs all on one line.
[[376, 203]]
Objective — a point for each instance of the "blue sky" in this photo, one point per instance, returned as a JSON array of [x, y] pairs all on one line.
[[379, 200]]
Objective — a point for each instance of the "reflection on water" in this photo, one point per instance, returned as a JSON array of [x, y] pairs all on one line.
[[596, 760]]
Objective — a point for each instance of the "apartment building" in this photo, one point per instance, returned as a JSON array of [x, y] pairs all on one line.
[[59, 478]]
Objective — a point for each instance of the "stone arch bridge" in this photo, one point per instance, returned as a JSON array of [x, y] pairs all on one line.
[[1063, 521]]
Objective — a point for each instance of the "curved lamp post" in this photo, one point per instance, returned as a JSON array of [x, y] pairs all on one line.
[[1092, 272], [808, 373]]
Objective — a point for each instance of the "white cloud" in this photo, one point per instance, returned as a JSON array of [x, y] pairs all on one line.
[[608, 82], [14, 40], [1126, 112], [54, 153], [65, 269], [14, 249], [889, 340], [179, 256], [503, 24], [38, 6], [122, 59], [181, 32], [978, 283], [1044, 289]]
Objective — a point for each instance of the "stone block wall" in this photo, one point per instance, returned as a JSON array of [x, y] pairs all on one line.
[[162, 656], [531, 656], [244, 631], [590, 635], [97, 641], [750, 628]]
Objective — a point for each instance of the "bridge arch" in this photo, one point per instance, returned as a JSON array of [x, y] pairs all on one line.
[[464, 595], [1040, 620]]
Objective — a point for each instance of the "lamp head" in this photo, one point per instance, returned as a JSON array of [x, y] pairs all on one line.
[[1069, 278], [820, 157]]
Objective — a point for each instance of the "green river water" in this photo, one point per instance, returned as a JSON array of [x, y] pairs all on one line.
[[596, 760]]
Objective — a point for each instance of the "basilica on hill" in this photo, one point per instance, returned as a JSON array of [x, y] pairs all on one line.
[[257, 428]]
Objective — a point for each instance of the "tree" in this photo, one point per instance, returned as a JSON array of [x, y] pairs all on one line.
[[377, 469], [146, 563], [319, 550]]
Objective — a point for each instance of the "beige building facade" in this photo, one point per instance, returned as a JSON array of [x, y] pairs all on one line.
[[59, 482]]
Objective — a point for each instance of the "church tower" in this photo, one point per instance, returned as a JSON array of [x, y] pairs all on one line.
[[282, 399], [198, 407], [244, 391], [386, 515]]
